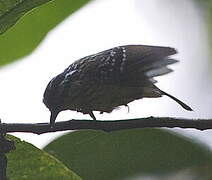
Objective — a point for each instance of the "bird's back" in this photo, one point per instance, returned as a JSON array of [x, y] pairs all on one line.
[[115, 77]]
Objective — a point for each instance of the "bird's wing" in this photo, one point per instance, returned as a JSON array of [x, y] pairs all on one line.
[[126, 64]]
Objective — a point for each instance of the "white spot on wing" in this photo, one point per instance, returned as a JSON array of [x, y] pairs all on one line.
[[68, 76], [124, 58], [112, 53]]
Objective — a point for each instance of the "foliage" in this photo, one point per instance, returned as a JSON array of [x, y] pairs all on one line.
[[117, 155], [31, 29], [29, 162], [207, 5], [12, 10]]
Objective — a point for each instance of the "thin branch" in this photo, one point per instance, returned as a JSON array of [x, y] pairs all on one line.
[[108, 126]]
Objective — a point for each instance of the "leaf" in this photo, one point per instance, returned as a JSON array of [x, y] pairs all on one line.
[[12, 10], [30, 30], [207, 6], [97, 155], [210, 23], [28, 162]]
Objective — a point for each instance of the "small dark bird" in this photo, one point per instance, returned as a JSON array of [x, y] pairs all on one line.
[[106, 80]]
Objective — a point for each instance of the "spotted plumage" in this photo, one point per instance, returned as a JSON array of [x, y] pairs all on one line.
[[109, 79]]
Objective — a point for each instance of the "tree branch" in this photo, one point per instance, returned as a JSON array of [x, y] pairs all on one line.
[[108, 126]]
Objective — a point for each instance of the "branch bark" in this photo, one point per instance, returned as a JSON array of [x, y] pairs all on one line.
[[108, 126]]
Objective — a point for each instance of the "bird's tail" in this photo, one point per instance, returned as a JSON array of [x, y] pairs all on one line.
[[177, 100]]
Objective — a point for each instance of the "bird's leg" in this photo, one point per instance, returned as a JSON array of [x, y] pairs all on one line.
[[53, 118], [92, 115], [128, 108]]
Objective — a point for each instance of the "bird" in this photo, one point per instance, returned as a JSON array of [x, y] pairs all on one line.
[[109, 79]]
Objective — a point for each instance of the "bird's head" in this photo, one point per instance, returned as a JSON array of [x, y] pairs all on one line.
[[52, 97]]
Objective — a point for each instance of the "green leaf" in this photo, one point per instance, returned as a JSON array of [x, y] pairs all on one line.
[[25, 36], [97, 155], [30, 163], [210, 23], [12, 10], [207, 6]]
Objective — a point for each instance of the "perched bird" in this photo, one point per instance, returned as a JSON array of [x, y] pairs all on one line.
[[106, 80]]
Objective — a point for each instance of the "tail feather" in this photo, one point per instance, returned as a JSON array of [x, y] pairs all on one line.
[[158, 63], [158, 72], [178, 101], [159, 67]]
